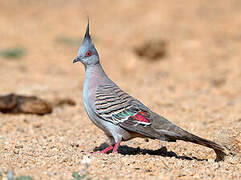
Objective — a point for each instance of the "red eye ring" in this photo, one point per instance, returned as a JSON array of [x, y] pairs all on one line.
[[89, 53]]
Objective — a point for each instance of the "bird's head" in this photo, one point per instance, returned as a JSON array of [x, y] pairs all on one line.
[[87, 53]]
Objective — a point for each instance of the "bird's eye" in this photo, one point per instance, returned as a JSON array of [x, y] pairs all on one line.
[[89, 53]]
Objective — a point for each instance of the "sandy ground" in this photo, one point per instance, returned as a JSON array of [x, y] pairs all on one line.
[[197, 85]]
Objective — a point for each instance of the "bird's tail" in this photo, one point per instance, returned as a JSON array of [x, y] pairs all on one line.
[[176, 133]]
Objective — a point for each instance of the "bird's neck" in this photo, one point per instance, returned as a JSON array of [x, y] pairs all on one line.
[[94, 72], [94, 76]]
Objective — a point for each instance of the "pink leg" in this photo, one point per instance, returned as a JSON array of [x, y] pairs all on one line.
[[116, 148], [106, 149]]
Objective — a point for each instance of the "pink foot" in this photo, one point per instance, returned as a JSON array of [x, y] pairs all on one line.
[[106, 149], [116, 148]]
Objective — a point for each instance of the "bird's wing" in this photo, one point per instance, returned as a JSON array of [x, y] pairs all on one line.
[[116, 106]]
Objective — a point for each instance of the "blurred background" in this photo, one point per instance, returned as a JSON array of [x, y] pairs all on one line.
[[39, 39], [181, 58]]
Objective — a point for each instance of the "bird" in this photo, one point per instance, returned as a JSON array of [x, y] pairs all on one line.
[[121, 116]]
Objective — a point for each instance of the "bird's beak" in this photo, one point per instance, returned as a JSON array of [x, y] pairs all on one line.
[[76, 60]]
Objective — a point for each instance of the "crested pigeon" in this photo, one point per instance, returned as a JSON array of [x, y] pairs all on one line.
[[121, 116]]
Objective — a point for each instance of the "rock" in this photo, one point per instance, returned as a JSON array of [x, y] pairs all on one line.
[[13, 103], [63, 101], [153, 49]]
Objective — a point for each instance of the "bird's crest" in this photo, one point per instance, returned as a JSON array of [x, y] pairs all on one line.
[[87, 34]]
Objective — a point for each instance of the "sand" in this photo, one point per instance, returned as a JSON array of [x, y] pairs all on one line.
[[196, 85]]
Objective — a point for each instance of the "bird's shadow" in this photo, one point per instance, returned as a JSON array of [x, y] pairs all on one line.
[[126, 150]]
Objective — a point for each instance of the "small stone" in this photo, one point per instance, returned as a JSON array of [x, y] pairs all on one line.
[[16, 151], [86, 160], [18, 146]]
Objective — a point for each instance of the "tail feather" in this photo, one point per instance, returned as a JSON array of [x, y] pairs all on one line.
[[176, 133]]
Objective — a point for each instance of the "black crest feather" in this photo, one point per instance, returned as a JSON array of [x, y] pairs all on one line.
[[87, 35]]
